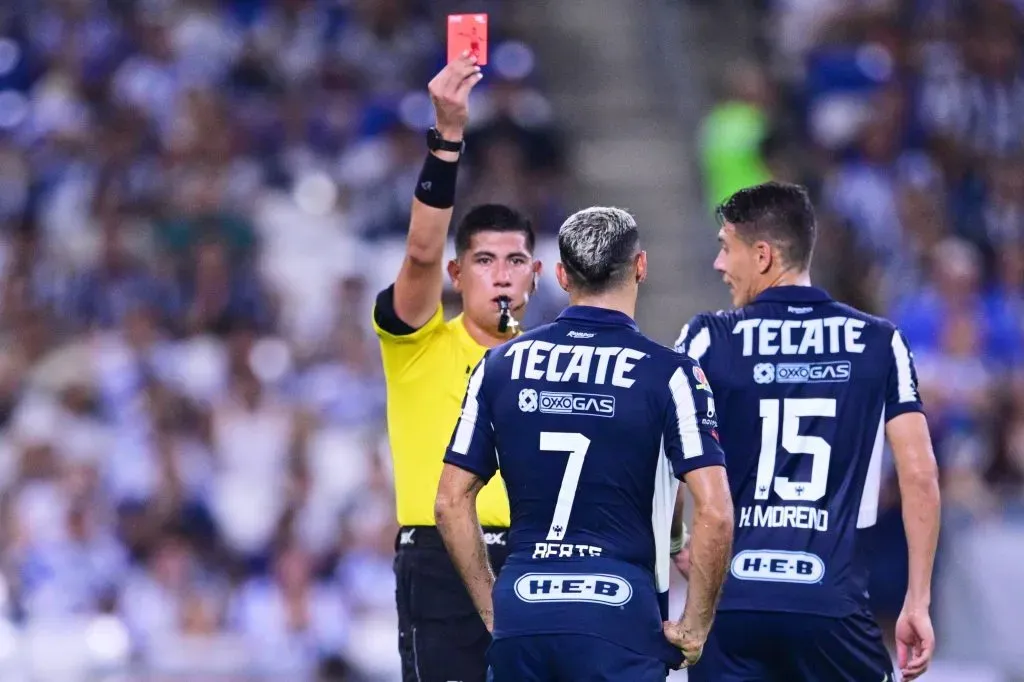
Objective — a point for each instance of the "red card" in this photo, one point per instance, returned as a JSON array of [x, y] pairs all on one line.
[[467, 32]]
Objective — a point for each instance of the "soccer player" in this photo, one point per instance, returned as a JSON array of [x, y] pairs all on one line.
[[427, 362], [809, 390], [590, 423]]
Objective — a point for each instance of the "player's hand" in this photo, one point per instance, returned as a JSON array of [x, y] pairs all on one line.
[[691, 643], [915, 642], [449, 92], [682, 561]]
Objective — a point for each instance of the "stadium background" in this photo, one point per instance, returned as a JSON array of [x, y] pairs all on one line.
[[199, 198]]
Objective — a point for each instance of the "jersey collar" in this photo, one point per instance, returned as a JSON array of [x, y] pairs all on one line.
[[793, 294], [463, 333], [594, 315]]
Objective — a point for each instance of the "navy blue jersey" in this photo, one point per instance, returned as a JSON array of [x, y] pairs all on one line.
[[591, 423], [805, 386]]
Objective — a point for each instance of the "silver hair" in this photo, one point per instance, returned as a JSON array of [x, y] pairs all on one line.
[[597, 243]]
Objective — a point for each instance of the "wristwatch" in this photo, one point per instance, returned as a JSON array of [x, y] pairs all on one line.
[[437, 143]]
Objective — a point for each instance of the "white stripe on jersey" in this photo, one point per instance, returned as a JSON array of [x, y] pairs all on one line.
[[497, 455], [686, 415], [868, 514], [680, 344], [700, 344], [467, 422], [904, 377], [665, 488]]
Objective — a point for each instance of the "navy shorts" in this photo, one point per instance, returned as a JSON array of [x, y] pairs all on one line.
[[752, 646], [569, 658]]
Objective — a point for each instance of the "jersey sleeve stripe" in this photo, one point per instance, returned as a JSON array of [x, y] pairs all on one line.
[[470, 408], [497, 455], [700, 344], [662, 507], [867, 515], [904, 375], [686, 415], [680, 344]]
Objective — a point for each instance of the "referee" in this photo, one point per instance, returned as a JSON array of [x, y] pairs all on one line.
[[427, 362]]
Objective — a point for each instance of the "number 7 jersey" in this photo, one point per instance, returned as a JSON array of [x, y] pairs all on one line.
[[804, 387], [591, 425]]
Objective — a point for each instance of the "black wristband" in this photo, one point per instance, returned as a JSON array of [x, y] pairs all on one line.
[[436, 185]]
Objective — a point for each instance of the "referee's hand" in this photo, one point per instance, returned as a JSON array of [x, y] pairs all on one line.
[[449, 91], [691, 643]]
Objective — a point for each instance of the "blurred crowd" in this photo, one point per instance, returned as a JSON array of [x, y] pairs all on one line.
[[196, 202], [906, 119], [200, 198]]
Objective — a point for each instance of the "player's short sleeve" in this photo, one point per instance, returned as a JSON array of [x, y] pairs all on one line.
[[472, 446], [400, 343], [901, 395], [690, 430], [694, 338]]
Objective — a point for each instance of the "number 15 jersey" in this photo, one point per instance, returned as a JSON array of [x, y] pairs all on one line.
[[591, 423], [805, 386]]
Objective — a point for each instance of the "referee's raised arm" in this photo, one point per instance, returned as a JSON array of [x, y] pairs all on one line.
[[420, 279], [427, 362]]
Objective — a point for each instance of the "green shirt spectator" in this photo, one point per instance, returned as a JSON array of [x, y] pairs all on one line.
[[730, 149]]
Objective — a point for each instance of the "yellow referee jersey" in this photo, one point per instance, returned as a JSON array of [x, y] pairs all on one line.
[[427, 371]]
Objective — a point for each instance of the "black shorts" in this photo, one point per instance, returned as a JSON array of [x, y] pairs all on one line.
[[440, 635], [746, 646]]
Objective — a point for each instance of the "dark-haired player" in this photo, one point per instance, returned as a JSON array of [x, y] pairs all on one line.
[[590, 423], [427, 362], [808, 390]]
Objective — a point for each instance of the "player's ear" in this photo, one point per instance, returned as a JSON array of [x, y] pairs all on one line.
[[763, 256], [641, 267], [455, 274], [562, 277], [537, 267]]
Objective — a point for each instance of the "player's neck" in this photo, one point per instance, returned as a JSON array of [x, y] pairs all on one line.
[[788, 278], [622, 302]]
